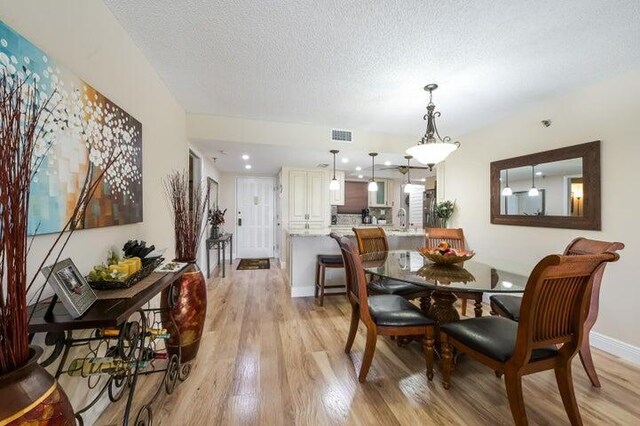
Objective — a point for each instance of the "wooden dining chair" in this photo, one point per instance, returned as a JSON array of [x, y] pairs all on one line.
[[374, 240], [548, 336], [386, 314], [509, 306], [455, 238]]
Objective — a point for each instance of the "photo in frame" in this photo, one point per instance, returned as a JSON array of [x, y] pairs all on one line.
[[70, 286]]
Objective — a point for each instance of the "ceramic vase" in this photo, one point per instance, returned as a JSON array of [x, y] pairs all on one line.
[[31, 396], [184, 308]]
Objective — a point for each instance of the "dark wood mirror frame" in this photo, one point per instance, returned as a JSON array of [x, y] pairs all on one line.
[[590, 154]]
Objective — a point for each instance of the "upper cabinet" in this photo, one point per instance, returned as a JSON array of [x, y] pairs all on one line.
[[382, 197], [307, 200], [336, 198]]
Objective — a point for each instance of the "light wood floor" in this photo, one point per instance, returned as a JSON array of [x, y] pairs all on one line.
[[271, 360]]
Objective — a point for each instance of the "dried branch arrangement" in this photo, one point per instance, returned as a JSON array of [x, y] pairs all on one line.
[[25, 139], [189, 214]]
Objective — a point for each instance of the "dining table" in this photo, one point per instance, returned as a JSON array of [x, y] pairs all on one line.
[[442, 282]]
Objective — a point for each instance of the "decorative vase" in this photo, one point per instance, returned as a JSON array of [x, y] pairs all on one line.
[[215, 232], [186, 301], [31, 396]]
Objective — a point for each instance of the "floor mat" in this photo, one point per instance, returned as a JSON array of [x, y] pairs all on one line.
[[253, 264]]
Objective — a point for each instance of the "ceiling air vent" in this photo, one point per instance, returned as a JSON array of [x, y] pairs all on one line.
[[341, 135]]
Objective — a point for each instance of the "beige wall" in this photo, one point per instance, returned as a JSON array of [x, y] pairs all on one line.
[[607, 111], [84, 37]]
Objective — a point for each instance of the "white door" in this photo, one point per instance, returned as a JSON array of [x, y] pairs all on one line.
[[254, 217]]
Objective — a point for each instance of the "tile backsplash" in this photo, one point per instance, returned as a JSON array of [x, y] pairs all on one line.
[[356, 219]]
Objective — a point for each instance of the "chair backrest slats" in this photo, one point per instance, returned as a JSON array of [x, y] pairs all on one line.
[[583, 246], [554, 302], [354, 271], [453, 236], [371, 240]]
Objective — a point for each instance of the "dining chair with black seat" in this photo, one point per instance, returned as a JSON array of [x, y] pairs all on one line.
[[509, 306], [374, 240], [385, 314], [547, 337], [455, 238]]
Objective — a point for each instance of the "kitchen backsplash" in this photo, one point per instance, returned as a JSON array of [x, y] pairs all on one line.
[[356, 219]]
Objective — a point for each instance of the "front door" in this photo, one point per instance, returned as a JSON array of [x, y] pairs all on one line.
[[254, 216]]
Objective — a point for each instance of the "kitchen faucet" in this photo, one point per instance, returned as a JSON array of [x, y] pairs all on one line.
[[402, 214]]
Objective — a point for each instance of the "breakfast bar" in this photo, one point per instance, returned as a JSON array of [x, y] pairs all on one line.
[[304, 246]]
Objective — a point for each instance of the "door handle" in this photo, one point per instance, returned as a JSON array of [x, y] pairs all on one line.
[[239, 221]]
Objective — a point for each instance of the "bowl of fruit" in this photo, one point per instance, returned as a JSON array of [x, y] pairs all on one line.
[[443, 254]]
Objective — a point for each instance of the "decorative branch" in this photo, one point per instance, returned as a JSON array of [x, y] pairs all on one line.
[[189, 213]]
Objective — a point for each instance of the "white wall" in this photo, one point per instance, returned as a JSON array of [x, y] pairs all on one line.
[[87, 39], [607, 111]]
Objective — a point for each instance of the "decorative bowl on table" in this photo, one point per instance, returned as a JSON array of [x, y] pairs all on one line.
[[445, 255]]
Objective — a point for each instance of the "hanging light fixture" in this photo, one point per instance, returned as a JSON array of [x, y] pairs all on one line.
[[432, 148], [334, 185], [507, 192], [407, 186], [533, 192], [373, 186]]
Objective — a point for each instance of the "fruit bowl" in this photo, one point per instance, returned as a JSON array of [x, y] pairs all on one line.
[[445, 255]]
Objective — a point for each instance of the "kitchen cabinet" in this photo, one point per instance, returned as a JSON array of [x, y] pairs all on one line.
[[336, 198], [382, 197], [307, 199]]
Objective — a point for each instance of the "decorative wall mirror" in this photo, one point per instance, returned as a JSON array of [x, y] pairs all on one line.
[[555, 189]]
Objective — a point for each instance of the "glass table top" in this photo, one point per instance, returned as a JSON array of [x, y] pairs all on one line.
[[470, 276]]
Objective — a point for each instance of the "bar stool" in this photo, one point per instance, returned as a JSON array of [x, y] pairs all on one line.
[[326, 261]]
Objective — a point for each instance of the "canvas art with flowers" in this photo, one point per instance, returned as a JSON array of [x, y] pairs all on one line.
[[84, 129]]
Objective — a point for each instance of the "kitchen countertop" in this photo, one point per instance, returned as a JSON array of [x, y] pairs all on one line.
[[348, 232]]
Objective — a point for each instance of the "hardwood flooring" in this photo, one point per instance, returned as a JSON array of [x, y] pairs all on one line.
[[267, 359]]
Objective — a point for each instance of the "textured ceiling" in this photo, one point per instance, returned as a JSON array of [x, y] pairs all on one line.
[[361, 64]]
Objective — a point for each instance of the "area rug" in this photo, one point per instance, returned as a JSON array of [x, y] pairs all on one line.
[[253, 264]]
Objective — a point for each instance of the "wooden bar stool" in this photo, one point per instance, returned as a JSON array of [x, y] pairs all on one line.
[[326, 261]]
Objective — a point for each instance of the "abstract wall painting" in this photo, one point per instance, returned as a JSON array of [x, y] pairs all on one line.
[[85, 128]]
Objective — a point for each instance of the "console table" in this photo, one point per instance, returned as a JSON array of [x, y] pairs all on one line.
[[220, 243], [133, 342]]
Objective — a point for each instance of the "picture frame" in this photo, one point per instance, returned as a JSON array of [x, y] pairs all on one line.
[[70, 286]]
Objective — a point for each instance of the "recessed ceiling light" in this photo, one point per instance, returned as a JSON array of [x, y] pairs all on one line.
[[345, 160], [538, 173], [245, 157], [360, 176], [423, 180], [358, 168], [248, 166], [387, 163]]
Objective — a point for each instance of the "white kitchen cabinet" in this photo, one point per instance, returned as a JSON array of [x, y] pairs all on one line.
[[336, 198], [382, 197], [307, 199]]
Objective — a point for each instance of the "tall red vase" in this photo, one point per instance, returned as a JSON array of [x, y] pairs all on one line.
[[189, 296], [31, 396]]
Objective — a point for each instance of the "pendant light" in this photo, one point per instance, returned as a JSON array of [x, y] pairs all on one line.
[[533, 192], [373, 186], [334, 185], [408, 186], [507, 192], [432, 149]]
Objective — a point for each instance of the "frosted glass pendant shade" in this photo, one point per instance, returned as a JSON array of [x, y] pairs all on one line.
[[373, 187], [533, 192], [334, 185], [432, 152], [507, 192]]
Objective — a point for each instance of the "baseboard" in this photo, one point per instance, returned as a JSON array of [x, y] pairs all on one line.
[[616, 347]]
